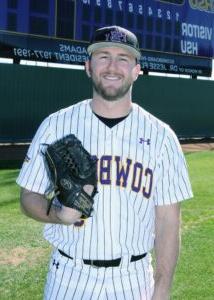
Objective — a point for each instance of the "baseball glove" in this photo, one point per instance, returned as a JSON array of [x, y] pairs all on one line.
[[71, 167]]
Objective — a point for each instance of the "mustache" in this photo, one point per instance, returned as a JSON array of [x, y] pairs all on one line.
[[106, 73]]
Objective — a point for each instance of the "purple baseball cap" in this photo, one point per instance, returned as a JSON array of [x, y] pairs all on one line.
[[114, 36]]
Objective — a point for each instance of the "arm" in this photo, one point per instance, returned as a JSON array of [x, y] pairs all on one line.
[[167, 241], [35, 205]]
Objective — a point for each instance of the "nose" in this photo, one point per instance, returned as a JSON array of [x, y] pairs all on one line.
[[111, 64]]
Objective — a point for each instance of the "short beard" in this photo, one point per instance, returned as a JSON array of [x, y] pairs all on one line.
[[111, 96]]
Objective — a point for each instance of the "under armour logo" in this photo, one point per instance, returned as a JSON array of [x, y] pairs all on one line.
[[55, 264], [142, 141]]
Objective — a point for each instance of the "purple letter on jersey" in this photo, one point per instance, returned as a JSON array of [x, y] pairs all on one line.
[[105, 169], [122, 172], [149, 177], [137, 177]]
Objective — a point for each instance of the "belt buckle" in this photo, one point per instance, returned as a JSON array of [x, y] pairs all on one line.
[[93, 265]]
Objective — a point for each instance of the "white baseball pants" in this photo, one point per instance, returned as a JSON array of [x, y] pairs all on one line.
[[73, 280]]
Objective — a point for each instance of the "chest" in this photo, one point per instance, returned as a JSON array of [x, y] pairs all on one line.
[[125, 161]]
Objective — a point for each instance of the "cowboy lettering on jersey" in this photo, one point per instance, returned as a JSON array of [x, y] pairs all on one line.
[[128, 174]]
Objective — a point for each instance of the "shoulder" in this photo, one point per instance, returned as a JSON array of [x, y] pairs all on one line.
[[60, 123], [68, 111], [165, 135], [150, 119]]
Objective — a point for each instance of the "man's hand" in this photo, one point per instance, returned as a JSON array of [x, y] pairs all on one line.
[[67, 215]]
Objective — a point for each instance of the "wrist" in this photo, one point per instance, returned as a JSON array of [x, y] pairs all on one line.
[[161, 289], [54, 215], [160, 294]]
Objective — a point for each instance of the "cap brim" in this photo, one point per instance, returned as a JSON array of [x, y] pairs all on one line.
[[93, 47]]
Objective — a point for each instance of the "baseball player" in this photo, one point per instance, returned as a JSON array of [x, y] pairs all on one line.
[[141, 179]]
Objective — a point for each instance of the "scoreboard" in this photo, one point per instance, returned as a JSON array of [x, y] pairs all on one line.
[[159, 25], [174, 35]]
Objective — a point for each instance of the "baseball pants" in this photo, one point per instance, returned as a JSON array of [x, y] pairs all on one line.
[[69, 279]]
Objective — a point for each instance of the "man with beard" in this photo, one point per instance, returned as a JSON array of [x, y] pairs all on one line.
[[141, 178]]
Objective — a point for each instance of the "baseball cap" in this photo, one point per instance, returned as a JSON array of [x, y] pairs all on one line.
[[114, 36]]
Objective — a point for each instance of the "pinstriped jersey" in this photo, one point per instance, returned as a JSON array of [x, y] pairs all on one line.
[[140, 164]]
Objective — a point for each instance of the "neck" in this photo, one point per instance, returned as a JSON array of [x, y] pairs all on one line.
[[111, 109]]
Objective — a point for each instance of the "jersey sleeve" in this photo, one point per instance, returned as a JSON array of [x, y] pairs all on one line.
[[33, 175], [173, 183]]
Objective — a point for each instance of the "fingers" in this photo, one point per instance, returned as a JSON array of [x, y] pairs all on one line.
[[68, 215], [88, 188]]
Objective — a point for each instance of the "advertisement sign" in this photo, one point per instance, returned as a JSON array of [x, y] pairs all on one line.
[[175, 36]]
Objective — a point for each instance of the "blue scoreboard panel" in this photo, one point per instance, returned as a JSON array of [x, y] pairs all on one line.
[[168, 26], [175, 36]]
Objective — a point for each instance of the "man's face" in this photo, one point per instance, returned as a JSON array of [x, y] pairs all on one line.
[[113, 71]]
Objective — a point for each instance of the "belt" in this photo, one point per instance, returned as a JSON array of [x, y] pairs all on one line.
[[105, 263]]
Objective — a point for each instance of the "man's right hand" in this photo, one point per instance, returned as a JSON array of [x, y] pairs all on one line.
[[67, 215]]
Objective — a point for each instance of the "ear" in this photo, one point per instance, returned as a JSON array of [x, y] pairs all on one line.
[[136, 70], [87, 68]]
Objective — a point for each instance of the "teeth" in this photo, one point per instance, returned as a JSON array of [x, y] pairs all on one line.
[[112, 77]]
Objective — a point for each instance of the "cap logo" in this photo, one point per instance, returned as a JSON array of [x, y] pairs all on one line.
[[115, 36]]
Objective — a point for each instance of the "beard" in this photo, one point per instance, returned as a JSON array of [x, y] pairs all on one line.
[[111, 93]]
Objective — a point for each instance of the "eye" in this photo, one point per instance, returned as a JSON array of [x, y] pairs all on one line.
[[123, 59], [103, 56]]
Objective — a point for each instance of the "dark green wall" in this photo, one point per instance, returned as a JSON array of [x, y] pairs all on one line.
[[29, 94], [187, 105]]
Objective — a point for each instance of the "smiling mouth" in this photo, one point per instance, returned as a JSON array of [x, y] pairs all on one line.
[[112, 77]]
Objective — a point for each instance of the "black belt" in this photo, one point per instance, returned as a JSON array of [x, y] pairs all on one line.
[[105, 263]]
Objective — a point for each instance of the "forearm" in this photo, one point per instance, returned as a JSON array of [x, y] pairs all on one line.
[[164, 275], [167, 244], [35, 206]]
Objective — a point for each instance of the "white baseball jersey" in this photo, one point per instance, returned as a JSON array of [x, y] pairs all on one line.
[[140, 165]]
